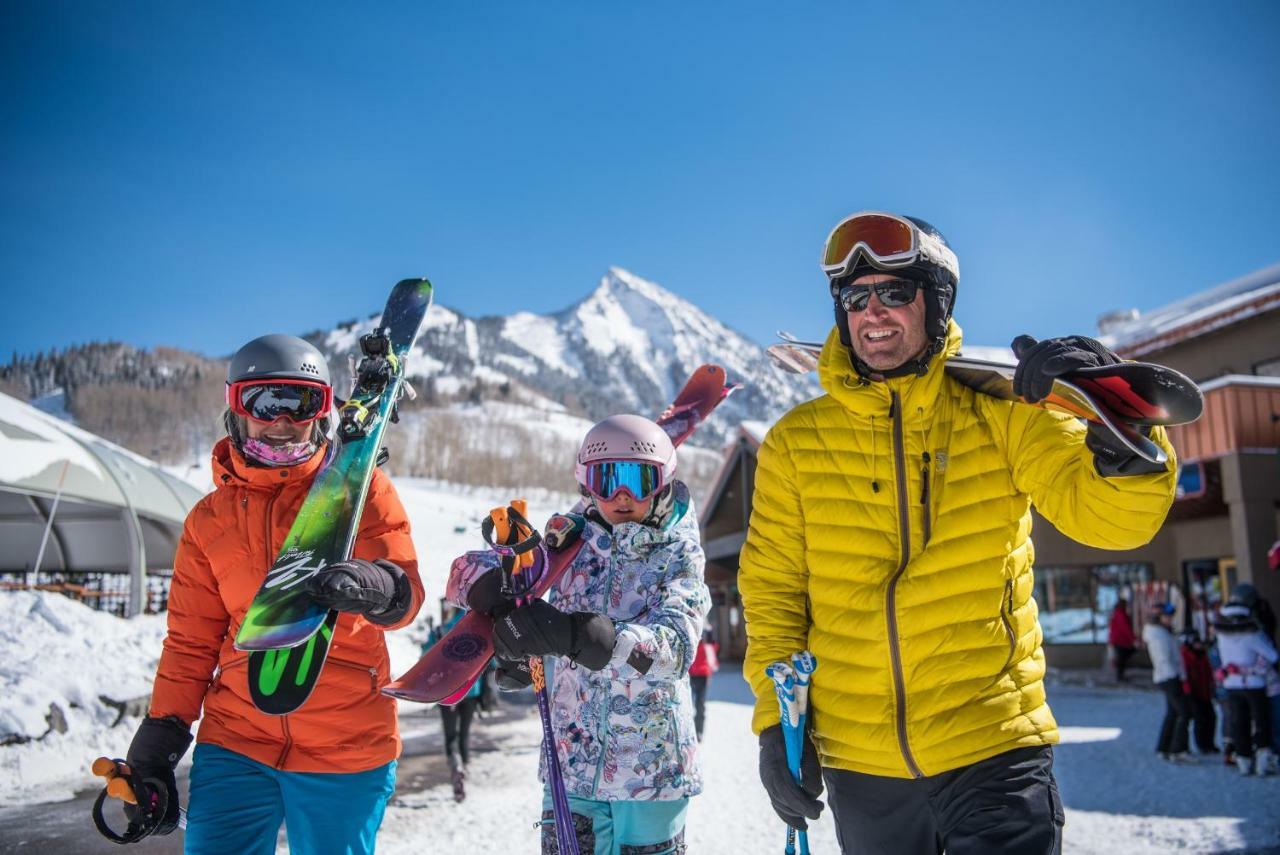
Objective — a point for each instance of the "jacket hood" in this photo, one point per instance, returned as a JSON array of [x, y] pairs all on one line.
[[231, 469], [842, 381]]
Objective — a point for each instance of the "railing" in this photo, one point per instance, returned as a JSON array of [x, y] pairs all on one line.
[[103, 591]]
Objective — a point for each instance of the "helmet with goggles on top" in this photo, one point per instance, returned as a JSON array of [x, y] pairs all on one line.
[[278, 377], [907, 247]]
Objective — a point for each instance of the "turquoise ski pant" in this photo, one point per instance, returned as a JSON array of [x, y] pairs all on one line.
[[620, 828], [236, 806]]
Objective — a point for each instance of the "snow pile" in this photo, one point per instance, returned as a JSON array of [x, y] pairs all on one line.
[[58, 660]]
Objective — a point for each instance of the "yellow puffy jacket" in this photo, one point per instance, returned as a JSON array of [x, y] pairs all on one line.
[[890, 534]]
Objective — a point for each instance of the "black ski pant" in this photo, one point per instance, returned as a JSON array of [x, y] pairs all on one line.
[[1250, 715], [1008, 803], [1177, 718], [1122, 657], [1205, 723], [699, 687], [457, 730]]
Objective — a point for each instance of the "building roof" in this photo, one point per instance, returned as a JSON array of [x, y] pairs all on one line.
[[107, 496], [1198, 314]]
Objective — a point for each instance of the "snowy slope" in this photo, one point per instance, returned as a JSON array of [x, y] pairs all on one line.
[[628, 346]]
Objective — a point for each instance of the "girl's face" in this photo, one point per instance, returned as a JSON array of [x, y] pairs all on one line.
[[623, 507]]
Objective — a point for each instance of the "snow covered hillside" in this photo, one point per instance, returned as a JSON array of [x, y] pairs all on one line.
[[628, 346]]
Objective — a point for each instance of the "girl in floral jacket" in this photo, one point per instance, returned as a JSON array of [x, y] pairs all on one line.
[[626, 617]]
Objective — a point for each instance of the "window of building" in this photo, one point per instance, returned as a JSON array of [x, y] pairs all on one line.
[[1267, 368], [1076, 602]]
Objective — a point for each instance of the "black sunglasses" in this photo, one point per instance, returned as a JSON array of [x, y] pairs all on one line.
[[893, 293]]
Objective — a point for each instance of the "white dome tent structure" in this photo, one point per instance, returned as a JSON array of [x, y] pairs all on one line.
[[81, 504]]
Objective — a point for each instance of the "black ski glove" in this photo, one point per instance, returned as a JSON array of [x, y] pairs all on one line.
[[1113, 458], [154, 753], [1039, 363], [540, 629], [791, 801], [379, 590], [513, 675]]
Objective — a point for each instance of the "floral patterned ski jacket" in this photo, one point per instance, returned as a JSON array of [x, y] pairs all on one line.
[[624, 735]]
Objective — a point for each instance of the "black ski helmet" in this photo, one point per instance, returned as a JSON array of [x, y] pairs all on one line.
[[936, 267], [276, 357]]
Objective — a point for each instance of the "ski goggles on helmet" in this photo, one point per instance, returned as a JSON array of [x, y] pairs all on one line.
[[886, 240], [605, 479], [893, 293], [300, 401]]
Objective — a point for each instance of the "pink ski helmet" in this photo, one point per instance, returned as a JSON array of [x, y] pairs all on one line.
[[625, 452]]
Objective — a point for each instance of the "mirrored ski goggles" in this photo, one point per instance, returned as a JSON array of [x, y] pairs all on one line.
[[300, 401], [606, 479], [887, 240], [893, 293]]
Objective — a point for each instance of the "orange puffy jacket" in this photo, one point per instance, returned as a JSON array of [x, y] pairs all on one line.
[[230, 539]]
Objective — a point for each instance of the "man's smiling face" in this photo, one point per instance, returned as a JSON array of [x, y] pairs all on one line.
[[886, 337]]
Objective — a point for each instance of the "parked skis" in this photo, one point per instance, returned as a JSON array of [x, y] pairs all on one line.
[[446, 671]]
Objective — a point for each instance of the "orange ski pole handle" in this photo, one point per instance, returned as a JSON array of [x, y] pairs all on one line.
[[117, 773], [523, 531]]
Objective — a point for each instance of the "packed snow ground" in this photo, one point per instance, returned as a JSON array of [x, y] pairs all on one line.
[[1120, 798]]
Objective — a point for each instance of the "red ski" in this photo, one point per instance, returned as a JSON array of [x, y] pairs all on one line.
[[447, 670]]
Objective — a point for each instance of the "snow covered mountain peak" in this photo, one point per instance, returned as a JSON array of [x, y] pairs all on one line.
[[629, 346]]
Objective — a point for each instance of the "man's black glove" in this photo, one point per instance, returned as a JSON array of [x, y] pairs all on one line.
[[379, 590], [154, 753], [513, 675], [1039, 363], [1111, 457], [486, 595], [791, 801], [540, 629]]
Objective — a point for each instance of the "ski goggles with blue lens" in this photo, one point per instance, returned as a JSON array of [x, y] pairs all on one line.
[[300, 401], [893, 293], [606, 479]]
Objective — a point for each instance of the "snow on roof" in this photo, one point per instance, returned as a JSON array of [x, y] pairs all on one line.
[[1198, 314], [34, 447]]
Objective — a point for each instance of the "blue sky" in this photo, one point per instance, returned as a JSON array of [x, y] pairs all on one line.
[[199, 174]]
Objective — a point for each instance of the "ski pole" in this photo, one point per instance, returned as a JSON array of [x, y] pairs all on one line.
[[803, 663], [784, 684], [148, 796], [510, 527]]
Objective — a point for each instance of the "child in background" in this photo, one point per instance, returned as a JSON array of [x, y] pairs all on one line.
[[625, 619], [1199, 689], [1247, 654], [706, 663], [456, 719], [1169, 676]]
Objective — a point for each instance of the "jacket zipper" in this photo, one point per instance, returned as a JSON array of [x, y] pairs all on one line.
[[373, 672], [891, 596], [604, 717], [1006, 609], [925, 496], [288, 742]]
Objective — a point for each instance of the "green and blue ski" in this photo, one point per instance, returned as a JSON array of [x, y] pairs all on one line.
[[287, 634]]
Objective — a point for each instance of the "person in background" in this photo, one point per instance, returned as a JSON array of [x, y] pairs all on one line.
[[1199, 689], [456, 719], [705, 663], [1247, 655], [1169, 676], [1121, 638]]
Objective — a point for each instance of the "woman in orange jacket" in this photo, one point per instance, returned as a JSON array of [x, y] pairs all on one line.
[[329, 767]]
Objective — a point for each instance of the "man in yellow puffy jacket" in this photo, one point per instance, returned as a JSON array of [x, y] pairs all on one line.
[[890, 535]]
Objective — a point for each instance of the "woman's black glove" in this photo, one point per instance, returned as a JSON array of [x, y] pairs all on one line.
[[154, 753], [791, 801], [1040, 363], [379, 590], [540, 629]]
